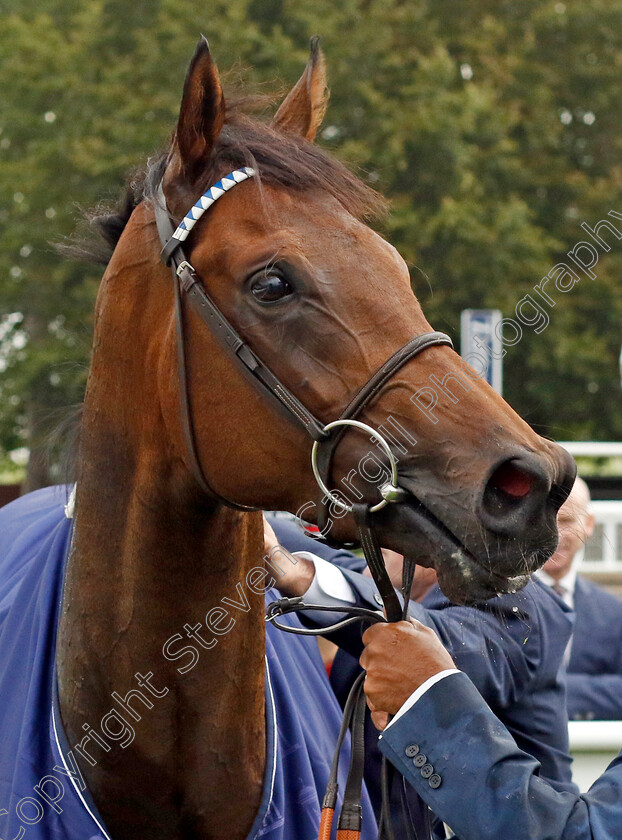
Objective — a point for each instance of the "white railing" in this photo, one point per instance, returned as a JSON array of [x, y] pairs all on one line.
[[603, 550], [593, 448], [593, 744]]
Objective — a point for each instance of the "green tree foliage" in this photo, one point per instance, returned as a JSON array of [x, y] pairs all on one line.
[[492, 126]]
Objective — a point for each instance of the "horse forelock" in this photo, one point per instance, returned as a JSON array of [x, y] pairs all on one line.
[[281, 159]]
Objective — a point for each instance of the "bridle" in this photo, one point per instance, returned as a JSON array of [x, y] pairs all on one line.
[[326, 438]]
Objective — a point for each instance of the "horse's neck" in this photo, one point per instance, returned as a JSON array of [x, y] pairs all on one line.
[[151, 558]]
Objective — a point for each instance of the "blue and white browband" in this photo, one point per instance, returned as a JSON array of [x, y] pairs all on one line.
[[208, 198]]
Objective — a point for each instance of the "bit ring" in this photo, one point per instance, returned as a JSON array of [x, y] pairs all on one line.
[[389, 490]]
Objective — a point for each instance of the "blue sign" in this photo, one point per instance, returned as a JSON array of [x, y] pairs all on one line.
[[481, 344]]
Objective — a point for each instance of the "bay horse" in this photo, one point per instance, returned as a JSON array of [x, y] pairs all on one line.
[[323, 300]]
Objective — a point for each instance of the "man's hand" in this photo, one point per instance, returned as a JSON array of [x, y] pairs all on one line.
[[398, 658], [297, 572]]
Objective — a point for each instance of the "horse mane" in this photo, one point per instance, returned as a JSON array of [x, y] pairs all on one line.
[[280, 158]]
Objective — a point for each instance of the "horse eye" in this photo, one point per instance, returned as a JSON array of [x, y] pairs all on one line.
[[268, 288]]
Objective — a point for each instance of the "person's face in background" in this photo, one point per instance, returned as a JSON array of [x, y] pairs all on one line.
[[575, 524]]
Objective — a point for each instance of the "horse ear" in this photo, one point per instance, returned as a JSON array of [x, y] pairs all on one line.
[[202, 112], [303, 109]]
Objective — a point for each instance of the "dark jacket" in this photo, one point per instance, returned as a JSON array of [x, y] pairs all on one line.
[[595, 667], [481, 784]]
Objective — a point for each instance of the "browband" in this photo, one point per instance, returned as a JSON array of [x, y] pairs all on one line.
[[200, 206]]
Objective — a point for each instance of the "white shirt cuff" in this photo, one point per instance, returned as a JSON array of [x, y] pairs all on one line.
[[329, 586], [419, 692]]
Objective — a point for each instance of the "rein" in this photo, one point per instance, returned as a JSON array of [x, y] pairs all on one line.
[[326, 438]]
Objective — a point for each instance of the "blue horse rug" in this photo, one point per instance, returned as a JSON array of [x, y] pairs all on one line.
[[43, 795]]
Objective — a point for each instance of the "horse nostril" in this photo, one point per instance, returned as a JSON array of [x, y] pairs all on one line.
[[522, 496], [511, 480], [513, 494]]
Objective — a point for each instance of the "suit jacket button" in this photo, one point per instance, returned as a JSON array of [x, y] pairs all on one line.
[[378, 599], [412, 750], [426, 771], [420, 759], [434, 781]]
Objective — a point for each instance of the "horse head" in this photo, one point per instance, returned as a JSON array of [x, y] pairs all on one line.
[[323, 300]]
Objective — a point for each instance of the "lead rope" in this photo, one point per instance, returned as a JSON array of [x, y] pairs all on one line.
[[375, 561], [387, 771], [351, 816], [349, 825]]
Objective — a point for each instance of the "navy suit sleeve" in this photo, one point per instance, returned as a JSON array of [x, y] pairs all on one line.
[[594, 696], [595, 668], [479, 782]]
